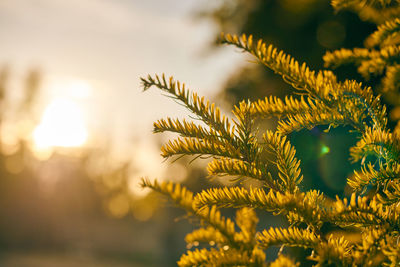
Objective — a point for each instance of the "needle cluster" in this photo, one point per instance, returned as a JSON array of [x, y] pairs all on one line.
[[238, 149]]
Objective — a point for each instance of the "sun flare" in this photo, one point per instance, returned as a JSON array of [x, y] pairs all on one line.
[[62, 125]]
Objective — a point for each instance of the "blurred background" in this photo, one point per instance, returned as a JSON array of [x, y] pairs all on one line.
[[75, 127]]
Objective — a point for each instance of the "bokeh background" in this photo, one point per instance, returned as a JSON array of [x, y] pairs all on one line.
[[75, 126]]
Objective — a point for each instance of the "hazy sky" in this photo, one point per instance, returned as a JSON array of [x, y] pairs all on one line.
[[108, 45]]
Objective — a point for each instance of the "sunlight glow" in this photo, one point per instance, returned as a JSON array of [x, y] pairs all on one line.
[[62, 125]]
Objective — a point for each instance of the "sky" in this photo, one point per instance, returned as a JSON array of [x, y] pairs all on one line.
[[91, 55]]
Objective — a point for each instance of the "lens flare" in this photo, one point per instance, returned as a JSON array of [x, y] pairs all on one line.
[[324, 150]]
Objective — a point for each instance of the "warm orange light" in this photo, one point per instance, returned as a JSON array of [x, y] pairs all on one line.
[[62, 125]]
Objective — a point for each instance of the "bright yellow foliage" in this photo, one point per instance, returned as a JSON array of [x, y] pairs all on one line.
[[239, 150]]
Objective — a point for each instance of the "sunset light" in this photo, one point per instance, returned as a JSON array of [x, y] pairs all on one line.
[[62, 125]]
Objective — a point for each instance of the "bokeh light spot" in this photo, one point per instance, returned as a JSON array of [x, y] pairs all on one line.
[[324, 150], [14, 164], [118, 206]]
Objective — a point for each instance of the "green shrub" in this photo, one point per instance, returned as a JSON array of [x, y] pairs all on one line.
[[364, 228]]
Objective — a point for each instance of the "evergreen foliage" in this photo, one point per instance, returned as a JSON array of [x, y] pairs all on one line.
[[239, 149]]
